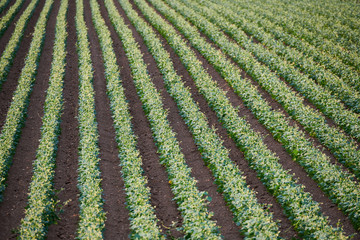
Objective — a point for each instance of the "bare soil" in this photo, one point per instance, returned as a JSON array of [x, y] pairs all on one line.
[[114, 195]]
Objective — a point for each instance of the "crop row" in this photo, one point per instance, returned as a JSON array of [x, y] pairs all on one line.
[[343, 13], [247, 212], [191, 202], [3, 4], [143, 221], [261, 159], [6, 19], [329, 81], [265, 163], [41, 203], [13, 44], [320, 28], [328, 176], [318, 96], [17, 110], [342, 147], [300, 32], [254, 25], [92, 216]]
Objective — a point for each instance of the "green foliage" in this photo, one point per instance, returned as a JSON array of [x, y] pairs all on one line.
[[197, 223], [143, 221], [12, 46], [6, 19], [250, 144], [241, 199], [92, 215], [15, 115], [41, 204]]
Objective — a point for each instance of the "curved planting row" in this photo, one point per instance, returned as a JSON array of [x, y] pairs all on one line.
[[254, 25], [300, 32], [197, 221], [261, 159], [280, 91], [92, 215], [329, 81], [12, 46], [342, 147], [328, 176], [3, 4], [142, 217], [317, 26], [15, 115], [6, 19], [247, 212], [41, 203], [231, 25], [320, 28]]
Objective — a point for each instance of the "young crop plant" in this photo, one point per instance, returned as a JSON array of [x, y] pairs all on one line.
[[12, 46], [41, 204], [320, 169], [347, 119], [259, 27], [3, 4], [289, 26], [92, 215], [17, 110], [341, 146], [242, 200], [329, 81], [143, 221], [197, 223], [6, 19], [316, 32]]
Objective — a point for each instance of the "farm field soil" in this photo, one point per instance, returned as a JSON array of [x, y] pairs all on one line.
[[65, 181]]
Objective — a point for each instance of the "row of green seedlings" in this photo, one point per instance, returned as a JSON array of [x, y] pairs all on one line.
[[222, 107], [329, 81], [301, 55], [92, 215], [319, 28], [330, 177], [192, 203], [321, 98], [4, 4], [340, 13], [336, 50], [143, 222], [249, 214], [6, 19], [341, 146], [256, 26], [40, 211], [16, 114], [210, 145], [315, 34], [11, 48]]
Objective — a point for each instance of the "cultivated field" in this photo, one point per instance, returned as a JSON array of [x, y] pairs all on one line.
[[163, 119]]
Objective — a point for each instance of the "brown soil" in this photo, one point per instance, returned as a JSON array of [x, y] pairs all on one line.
[[117, 225], [20, 173]]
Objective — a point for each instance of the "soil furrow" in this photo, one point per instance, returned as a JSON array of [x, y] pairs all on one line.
[[65, 179], [222, 214], [235, 154], [9, 85], [5, 37], [20, 173], [328, 207], [161, 195], [6, 8], [117, 224]]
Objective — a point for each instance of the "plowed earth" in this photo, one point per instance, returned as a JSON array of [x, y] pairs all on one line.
[[117, 225]]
